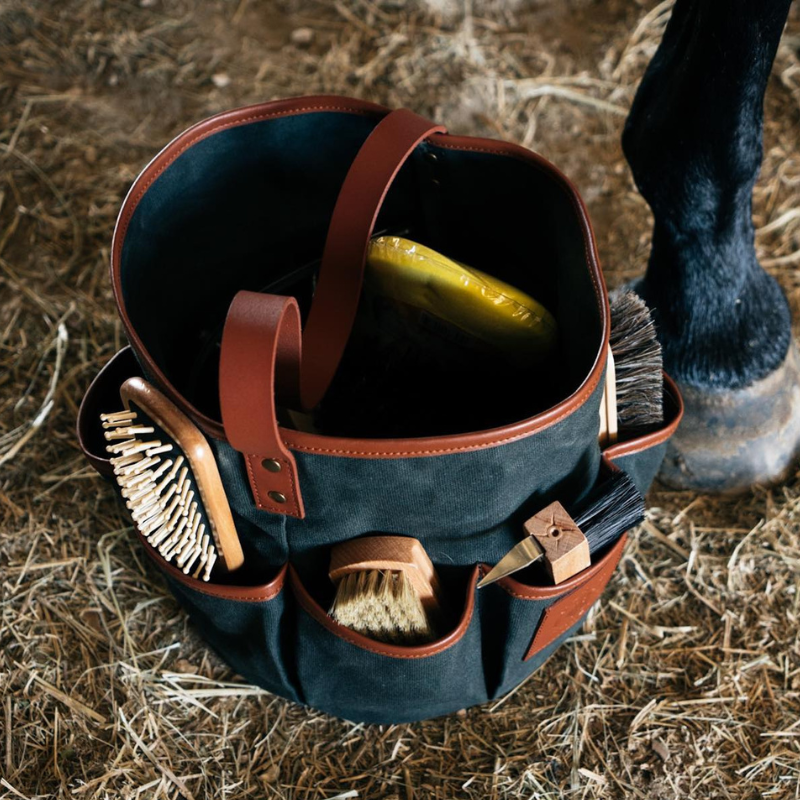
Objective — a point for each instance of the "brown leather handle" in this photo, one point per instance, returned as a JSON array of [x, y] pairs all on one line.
[[260, 355], [341, 273]]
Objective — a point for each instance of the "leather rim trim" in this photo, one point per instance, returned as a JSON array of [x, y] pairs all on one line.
[[381, 648], [523, 591], [655, 438], [362, 448], [247, 594]]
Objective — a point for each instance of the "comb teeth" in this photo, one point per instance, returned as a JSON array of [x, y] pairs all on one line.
[[157, 486]]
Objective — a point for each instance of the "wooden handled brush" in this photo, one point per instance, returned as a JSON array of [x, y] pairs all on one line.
[[633, 397], [566, 541], [169, 478], [387, 589]]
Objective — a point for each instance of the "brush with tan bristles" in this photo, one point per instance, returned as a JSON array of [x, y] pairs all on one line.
[[386, 589]]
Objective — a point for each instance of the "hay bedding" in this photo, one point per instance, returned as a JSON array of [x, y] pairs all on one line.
[[684, 684]]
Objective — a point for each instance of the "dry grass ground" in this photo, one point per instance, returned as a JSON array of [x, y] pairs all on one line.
[[686, 683]]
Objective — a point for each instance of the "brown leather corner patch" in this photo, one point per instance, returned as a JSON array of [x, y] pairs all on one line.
[[564, 613]]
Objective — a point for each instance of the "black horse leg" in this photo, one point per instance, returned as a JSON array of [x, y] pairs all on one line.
[[694, 142]]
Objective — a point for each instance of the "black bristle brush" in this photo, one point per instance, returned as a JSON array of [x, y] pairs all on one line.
[[610, 509], [567, 541], [636, 367]]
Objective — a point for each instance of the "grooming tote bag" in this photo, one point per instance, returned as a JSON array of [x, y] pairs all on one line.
[[257, 216]]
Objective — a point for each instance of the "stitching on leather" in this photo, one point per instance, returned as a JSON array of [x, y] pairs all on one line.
[[221, 127], [650, 440], [582, 608], [290, 468], [429, 451], [253, 481], [216, 431], [590, 388], [239, 597], [555, 597], [654, 442], [598, 568], [293, 510]]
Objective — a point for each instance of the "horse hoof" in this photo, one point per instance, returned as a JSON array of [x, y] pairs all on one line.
[[729, 441]]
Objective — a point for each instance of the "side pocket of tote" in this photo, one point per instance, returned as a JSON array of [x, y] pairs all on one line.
[[354, 677], [250, 627], [524, 624], [641, 457]]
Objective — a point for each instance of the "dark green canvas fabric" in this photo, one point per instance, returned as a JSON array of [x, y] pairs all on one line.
[[643, 466], [463, 507], [255, 638], [278, 645]]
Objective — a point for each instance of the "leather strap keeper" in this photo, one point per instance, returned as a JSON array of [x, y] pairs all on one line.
[[260, 356]]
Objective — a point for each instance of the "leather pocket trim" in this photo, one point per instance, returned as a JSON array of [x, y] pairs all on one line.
[[315, 611], [245, 594], [121, 366], [559, 617], [523, 591], [674, 411]]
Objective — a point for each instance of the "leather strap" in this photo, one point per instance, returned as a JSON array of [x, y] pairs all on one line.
[[260, 357], [341, 273], [261, 343]]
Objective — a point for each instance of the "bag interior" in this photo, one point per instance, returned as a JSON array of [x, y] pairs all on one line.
[[248, 208]]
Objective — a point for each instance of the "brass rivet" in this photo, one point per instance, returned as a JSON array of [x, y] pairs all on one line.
[[271, 465], [432, 157], [277, 497]]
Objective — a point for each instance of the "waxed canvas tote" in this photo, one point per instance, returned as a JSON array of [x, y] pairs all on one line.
[[237, 265]]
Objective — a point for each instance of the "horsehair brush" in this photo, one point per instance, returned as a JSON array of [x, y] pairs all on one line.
[[637, 361], [567, 541], [386, 589], [169, 479]]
